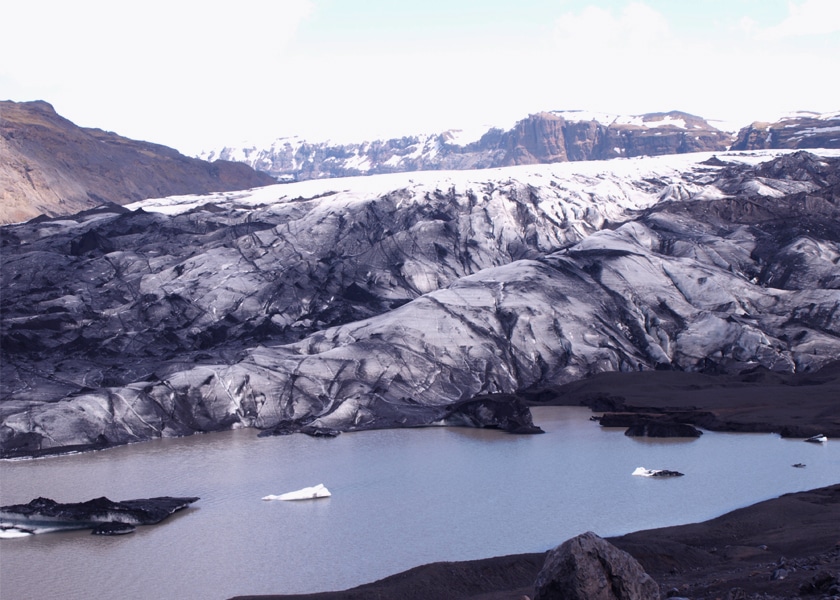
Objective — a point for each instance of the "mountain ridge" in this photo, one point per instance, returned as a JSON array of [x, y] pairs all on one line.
[[800, 130], [545, 137], [52, 167]]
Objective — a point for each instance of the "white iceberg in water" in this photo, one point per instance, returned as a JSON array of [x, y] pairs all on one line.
[[13, 532], [307, 493], [643, 472]]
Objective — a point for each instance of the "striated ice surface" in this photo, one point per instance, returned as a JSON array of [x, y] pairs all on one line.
[[380, 301]]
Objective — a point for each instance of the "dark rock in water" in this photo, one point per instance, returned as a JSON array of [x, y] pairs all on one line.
[[662, 429], [588, 567], [618, 419], [654, 425], [113, 529], [324, 432], [499, 411], [504, 412], [290, 427], [667, 473], [643, 472], [43, 514]]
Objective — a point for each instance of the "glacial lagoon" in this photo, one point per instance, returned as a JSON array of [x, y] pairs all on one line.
[[400, 498]]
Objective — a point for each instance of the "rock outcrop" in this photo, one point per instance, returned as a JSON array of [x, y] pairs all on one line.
[[546, 137], [588, 567], [796, 131], [396, 300], [49, 166]]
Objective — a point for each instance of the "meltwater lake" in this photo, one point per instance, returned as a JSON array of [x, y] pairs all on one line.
[[401, 498]]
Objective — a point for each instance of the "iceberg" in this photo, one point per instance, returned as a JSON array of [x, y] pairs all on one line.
[[103, 516], [643, 472], [14, 532], [307, 493]]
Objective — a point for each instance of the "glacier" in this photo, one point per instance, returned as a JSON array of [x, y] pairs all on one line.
[[412, 299]]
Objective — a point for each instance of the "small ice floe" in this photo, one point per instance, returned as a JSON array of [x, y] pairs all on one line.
[[14, 532], [642, 472], [817, 439], [307, 493]]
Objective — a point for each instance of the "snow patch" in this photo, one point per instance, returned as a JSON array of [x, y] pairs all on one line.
[[814, 131], [607, 119], [465, 137]]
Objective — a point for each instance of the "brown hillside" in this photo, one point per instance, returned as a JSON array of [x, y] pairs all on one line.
[[49, 166]]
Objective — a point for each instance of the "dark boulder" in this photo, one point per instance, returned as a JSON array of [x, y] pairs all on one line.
[[289, 427], [588, 567], [666, 473], [499, 411], [662, 429], [653, 425]]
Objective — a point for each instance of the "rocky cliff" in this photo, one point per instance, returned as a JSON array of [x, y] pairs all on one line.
[[392, 300], [49, 166], [798, 130], [546, 137]]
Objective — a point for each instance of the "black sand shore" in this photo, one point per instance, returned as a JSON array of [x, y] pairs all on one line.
[[786, 547], [791, 404]]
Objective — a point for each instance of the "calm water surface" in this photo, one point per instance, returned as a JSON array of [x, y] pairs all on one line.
[[400, 498]]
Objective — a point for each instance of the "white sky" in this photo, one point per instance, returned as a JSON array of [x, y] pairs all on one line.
[[195, 74]]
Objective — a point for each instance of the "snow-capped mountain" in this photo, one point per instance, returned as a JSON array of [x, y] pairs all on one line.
[[396, 300], [546, 137]]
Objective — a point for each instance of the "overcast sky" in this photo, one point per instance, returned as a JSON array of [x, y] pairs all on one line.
[[196, 74]]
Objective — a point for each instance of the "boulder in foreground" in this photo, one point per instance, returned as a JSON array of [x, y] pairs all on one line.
[[588, 567]]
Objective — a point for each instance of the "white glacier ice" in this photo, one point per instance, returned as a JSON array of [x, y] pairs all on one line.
[[307, 493]]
